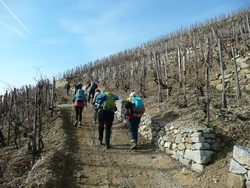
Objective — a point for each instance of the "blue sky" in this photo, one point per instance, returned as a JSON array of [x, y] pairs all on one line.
[[39, 39]]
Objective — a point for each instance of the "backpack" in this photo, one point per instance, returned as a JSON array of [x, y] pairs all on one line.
[[67, 86], [93, 86], [94, 102], [80, 95], [107, 102], [137, 105]]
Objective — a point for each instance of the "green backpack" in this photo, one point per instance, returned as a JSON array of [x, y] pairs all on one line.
[[109, 103]]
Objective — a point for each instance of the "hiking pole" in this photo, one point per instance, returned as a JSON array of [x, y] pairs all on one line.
[[71, 118], [95, 114], [85, 111], [83, 117]]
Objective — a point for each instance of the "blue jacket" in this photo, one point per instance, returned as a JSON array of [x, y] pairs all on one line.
[[77, 98], [101, 98]]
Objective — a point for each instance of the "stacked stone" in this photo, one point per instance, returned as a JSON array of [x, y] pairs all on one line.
[[186, 142], [243, 69], [190, 145], [239, 175], [193, 148], [147, 129]]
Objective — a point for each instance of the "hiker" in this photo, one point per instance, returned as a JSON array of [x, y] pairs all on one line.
[[77, 86], [91, 86], [124, 111], [80, 101], [94, 102], [67, 88], [133, 115], [106, 108]]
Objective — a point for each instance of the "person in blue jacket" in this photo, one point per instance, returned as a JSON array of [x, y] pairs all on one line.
[[80, 101]]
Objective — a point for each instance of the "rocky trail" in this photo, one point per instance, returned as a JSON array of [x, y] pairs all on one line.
[[95, 166], [91, 165]]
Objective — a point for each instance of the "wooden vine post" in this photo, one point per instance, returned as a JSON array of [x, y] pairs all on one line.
[[221, 44], [39, 116], [195, 67], [34, 145], [238, 93], [157, 72], [16, 126], [248, 25], [184, 78], [165, 60], [27, 107], [243, 40], [224, 102], [143, 73], [9, 115], [207, 81], [179, 68]]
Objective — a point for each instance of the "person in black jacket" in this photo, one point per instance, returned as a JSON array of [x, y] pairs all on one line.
[[67, 88], [77, 86], [92, 87], [106, 116], [94, 103]]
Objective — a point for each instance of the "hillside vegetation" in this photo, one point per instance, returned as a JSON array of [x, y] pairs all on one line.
[[203, 68]]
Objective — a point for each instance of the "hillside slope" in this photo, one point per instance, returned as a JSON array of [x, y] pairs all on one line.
[[73, 158]]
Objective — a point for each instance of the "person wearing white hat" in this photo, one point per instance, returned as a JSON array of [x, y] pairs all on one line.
[[132, 94], [134, 118]]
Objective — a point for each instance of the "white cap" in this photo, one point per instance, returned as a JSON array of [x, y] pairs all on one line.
[[132, 94]]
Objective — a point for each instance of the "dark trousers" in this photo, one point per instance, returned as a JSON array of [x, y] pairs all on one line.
[[105, 118], [91, 95], [133, 128], [78, 111], [67, 91]]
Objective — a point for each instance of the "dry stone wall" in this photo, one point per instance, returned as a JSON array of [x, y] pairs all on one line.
[[239, 175], [185, 142], [243, 70], [193, 146]]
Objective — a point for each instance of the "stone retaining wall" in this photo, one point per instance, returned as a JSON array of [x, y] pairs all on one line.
[[243, 70], [191, 145], [239, 175]]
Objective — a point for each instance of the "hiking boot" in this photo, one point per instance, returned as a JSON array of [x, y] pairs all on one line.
[[134, 146], [79, 124], [75, 124], [108, 146], [100, 142]]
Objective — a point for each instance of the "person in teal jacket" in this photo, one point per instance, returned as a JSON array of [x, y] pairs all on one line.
[[80, 101]]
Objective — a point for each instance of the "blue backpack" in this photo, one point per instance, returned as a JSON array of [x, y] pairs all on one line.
[[80, 96], [93, 86], [137, 105]]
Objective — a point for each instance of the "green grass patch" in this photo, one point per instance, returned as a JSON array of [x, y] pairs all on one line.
[[173, 102], [213, 127]]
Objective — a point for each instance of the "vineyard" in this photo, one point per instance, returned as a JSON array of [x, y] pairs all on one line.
[[189, 66]]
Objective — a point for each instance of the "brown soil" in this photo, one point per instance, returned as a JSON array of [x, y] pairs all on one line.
[[73, 158]]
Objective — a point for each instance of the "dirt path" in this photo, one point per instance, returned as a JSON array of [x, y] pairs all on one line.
[[92, 165]]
